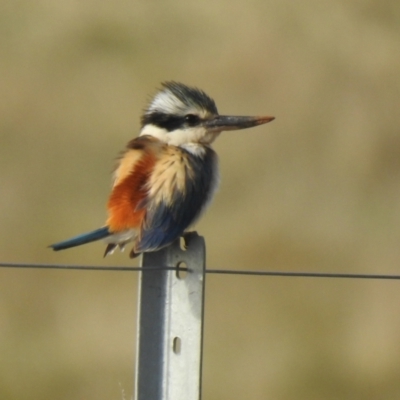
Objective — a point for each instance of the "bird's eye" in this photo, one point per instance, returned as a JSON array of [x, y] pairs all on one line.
[[192, 119]]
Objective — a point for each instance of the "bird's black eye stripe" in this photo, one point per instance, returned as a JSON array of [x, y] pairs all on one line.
[[167, 121], [170, 122], [192, 119]]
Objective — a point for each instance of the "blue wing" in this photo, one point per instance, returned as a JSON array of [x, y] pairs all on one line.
[[166, 221]]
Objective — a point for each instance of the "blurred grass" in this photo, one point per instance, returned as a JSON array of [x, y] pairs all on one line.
[[316, 190]]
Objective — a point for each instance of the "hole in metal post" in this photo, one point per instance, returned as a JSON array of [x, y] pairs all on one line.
[[176, 345], [181, 270]]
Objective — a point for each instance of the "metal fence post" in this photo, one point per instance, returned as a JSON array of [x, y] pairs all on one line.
[[170, 323]]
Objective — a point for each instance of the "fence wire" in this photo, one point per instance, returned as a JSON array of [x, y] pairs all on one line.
[[208, 271]]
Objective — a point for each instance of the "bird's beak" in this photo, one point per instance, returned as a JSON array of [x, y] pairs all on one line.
[[230, 123]]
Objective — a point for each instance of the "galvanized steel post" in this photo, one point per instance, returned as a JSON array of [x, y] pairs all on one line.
[[170, 323]]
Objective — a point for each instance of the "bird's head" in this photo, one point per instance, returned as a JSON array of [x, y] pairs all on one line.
[[181, 115]]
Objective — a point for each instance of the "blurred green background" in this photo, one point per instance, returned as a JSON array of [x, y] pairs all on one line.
[[316, 190]]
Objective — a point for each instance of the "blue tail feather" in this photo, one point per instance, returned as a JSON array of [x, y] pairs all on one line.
[[97, 234]]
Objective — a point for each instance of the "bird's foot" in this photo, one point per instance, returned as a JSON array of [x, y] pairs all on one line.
[[187, 236]]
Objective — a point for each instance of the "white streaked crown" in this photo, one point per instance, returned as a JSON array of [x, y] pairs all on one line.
[[178, 99]]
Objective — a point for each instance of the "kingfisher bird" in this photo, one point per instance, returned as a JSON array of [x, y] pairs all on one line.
[[167, 176]]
